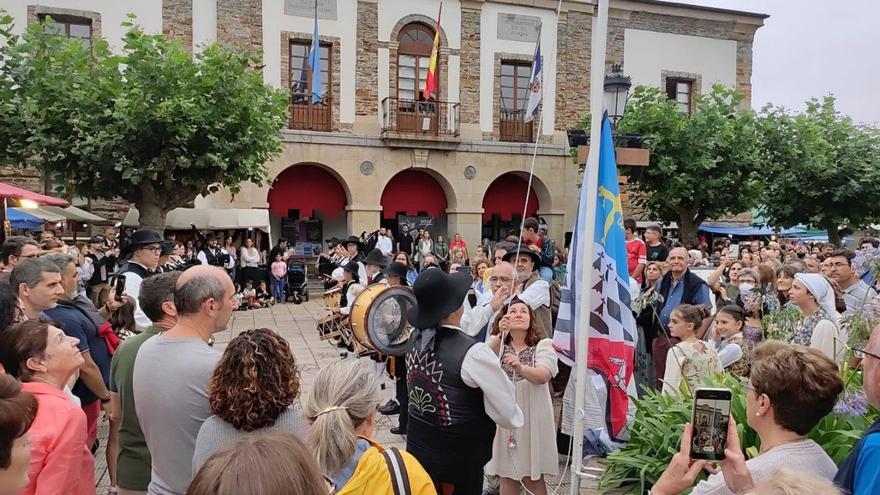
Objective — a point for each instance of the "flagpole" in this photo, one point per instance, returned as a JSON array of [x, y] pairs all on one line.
[[591, 182]]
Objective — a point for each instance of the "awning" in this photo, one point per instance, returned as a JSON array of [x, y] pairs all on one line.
[[74, 213], [45, 215], [208, 218], [746, 231], [21, 220], [12, 192]]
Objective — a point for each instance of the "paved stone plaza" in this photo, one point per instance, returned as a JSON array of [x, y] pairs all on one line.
[[296, 323]]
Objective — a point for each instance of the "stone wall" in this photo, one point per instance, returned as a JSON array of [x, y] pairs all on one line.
[[469, 81], [27, 178], [366, 93], [240, 24], [177, 21], [574, 33]]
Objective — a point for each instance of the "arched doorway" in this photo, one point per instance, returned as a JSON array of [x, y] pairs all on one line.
[[308, 202], [503, 205], [417, 198], [415, 114]]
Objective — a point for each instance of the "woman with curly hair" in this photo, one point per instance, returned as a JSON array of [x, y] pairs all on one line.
[[252, 389]]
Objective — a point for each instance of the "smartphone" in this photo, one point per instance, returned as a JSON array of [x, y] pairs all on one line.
[[119, 283], [733, 250], [711, 413]]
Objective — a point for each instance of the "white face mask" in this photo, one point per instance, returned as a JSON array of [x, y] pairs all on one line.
[[746, 287]]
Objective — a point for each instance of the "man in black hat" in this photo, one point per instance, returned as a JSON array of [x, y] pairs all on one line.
[[534, 290], [351, 287], [145, 247], [355, 248], [211, 254], [457, 390], [374, 262]]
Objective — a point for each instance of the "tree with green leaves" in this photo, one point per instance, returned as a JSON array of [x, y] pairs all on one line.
[[703, 166], [153, 123], [821, 169]]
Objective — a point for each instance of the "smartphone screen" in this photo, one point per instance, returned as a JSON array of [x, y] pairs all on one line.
[[120, 286], [734, 250], [711, 413]]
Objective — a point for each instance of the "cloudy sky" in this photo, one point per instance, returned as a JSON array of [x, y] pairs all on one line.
[[809, 48]]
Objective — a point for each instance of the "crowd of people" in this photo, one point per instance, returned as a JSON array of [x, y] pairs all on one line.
[[474, 395]]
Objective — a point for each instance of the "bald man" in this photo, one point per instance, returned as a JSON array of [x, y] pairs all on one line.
[[678, 286], [171, 374]]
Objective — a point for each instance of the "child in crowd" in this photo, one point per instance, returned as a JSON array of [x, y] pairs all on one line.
[[692, 359], [263, 297], [239, 298], [279, 274], [733, 349], [250, 295]]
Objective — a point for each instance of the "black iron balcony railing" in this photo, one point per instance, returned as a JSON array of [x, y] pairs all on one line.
[[512, 128], [403, 118], [306, 115]]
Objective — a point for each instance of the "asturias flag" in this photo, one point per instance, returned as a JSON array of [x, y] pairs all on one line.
[[431, 81], [612, 327]]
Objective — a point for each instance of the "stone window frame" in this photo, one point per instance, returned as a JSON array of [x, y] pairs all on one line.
[[695, 79], [287, 37], [495, 135], [393, 45], [35, 11]]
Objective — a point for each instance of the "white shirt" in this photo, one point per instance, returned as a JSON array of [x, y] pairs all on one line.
[[384, 244], [350, 295], [250, 258], [474, 319], [133, 290], [481, 369]]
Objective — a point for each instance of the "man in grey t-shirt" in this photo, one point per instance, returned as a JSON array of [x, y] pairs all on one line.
[[171, 375]]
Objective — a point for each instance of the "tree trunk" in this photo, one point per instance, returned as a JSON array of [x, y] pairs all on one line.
[[152, 214], [833, 233], [687, 228]]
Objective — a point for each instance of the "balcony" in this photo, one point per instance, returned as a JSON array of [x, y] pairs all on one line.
[[412, 120], [513, 129], [307, 116]]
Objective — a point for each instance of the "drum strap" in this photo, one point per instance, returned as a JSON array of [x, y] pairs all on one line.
[[397, 470]]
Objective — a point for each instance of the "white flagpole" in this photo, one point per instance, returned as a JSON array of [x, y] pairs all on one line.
[[591, 182]]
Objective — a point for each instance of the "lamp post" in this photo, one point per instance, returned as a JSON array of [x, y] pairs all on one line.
[[617, 86]]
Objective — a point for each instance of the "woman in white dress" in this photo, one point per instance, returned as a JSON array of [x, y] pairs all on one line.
[[525, 455]]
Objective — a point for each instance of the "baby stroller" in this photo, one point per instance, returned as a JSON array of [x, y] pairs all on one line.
[[296, 282]]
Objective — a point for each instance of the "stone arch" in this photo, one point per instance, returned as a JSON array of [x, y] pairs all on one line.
[[447, 189], [291, 185], [421, 19], [545, 198], [393, 46]]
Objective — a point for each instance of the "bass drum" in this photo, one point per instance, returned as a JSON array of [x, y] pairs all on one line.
[[378, 319]]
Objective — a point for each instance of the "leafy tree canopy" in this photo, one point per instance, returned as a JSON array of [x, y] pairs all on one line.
[[704, 165], [153, 123], [821, 169]]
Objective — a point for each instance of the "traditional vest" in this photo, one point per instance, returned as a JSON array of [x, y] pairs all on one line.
[[135, 268], [448, 425], [213, 257]]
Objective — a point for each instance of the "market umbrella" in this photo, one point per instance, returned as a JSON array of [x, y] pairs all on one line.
[[8, 191], [21, 220]]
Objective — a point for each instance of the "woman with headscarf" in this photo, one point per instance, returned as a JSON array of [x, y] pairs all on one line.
[[814, 296]]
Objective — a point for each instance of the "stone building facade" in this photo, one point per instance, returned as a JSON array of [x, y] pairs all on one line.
[[373, 152]]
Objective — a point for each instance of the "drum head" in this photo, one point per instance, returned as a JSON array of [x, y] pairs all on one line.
[[387, 325]]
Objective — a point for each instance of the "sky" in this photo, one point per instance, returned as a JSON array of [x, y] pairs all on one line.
[[810, 48]]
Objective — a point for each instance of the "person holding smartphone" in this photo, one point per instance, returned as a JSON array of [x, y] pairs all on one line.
[[792, 387]]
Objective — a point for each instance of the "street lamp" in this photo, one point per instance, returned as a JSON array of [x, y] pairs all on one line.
[[616, 93]]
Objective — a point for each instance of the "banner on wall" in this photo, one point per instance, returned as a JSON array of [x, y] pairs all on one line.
[[415, 222]]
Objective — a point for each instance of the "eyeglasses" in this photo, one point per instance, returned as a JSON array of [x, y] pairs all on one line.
[[747, 384], [860, 353], [154, 249]]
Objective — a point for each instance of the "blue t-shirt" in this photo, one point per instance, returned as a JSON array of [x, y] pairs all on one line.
[[673, 300], [76, 324], [867, 478]]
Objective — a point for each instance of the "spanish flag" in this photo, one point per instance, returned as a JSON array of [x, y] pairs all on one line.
[[431, 82]]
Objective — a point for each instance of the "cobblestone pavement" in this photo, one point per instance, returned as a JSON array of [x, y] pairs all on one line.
[[297, 324]]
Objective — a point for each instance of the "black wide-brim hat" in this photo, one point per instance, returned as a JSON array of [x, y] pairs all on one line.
[[375, 257], [523, 249], [353, 267], [397, 269], [142, 237], [354, 240], [438, 294]]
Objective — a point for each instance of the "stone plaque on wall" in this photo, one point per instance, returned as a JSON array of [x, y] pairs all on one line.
[[515, 27], [306, 8]]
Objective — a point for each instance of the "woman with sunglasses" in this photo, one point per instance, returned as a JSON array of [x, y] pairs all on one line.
[[342, 409]]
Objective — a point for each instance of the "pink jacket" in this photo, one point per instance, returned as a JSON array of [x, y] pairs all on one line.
[[279, 269], [60, 460]]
